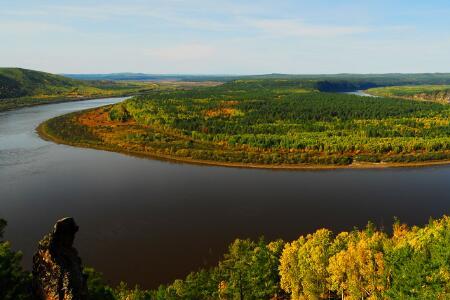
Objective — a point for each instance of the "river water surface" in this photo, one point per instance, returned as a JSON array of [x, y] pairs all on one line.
[[359, 93], [149, 222]]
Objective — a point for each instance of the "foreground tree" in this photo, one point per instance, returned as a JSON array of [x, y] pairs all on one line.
[[14, 281], [303, 265], [419, 261], [250, 270], [359, 271], [97, 286]]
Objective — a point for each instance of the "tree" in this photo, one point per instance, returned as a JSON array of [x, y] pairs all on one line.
[[419, 261], [250, 270], [197, 285], [291, 279], [359, 271], [97, 287], [123, 292], [304, 263], [15, 283]]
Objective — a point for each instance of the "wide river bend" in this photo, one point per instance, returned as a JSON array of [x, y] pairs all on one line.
[[148, 221]]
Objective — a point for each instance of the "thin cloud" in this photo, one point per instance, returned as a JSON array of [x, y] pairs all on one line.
[[182, 52], [167, 14], [296, 28], [24, 13], [234, 17], [31, 27]]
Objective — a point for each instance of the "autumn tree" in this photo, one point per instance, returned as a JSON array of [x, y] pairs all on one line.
[[290, 274], [303, 265], [359, 271]]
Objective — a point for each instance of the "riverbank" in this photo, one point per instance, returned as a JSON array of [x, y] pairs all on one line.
[[430, 93], [46, 134], [6, 105]]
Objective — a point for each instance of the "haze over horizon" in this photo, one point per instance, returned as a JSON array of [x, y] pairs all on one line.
[[226, 37]]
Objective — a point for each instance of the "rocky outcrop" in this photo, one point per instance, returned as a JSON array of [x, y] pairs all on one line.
[[57, 268]]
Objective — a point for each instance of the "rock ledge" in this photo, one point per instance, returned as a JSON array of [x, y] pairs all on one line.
[[57, 268]]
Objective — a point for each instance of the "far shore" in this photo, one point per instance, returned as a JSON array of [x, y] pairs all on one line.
[[44, 134]]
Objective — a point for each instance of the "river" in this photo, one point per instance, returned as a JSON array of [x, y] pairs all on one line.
[[149, 222], [359, 93]]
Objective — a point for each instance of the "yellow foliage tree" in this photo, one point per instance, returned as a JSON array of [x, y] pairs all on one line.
[[358, 272], [303, 264], [290, 278]]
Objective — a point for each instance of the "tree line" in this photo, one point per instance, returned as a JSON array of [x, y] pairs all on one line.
[[409, 263]]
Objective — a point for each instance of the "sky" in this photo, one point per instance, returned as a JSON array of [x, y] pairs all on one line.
[[226, 37]]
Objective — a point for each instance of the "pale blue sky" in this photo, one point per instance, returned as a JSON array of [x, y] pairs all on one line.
[[226, 37]]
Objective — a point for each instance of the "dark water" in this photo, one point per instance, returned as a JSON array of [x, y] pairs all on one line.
[[147, 221]]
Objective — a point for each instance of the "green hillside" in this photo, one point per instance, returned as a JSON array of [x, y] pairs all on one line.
[[15, 83], [22, 87]]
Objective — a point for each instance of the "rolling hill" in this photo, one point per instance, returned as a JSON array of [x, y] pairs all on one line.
[[22, 87], [16, 82]]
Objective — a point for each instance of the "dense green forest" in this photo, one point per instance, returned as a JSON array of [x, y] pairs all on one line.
[[410, 263], [329, 82], [265, 123], [351, 82]]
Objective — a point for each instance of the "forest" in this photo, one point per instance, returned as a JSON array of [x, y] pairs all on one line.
[[369, 263], [284, 123], [327, 81]]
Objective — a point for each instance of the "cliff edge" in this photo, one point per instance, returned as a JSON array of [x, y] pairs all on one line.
[[57, 268]]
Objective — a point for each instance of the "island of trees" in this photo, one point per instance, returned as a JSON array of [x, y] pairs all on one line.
[[274, 123]]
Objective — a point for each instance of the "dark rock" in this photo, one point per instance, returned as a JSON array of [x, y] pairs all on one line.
[[57, 268]]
